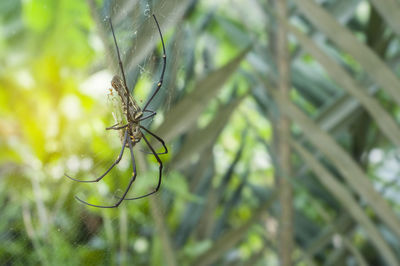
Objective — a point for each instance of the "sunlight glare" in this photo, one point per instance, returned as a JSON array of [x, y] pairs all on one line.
[[97, 85], [71, 107]]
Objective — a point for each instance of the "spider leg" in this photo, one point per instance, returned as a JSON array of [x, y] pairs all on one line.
[[159, 175], [111, 167], [153, 113], [164, 56], [120, 66], [127, 189], [111, 127], [119, 57], [115, 127], [150, 111], [157, 138]]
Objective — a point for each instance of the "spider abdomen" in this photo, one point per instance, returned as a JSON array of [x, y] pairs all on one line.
[[130, 106]]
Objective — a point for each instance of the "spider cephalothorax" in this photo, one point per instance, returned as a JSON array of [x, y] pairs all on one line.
[[131, 132]]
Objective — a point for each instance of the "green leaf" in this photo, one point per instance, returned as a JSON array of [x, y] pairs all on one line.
[[344, 196], [201, 139], [350, 170], [185, 113], [343, 38], [385, 122]]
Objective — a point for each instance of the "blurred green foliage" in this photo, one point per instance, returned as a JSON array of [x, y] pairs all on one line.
[[218, 112]]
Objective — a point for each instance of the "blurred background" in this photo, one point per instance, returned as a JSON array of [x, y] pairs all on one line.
[[281, 119]]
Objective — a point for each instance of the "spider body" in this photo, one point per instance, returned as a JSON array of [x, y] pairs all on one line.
[[132, 110], [131, 133]]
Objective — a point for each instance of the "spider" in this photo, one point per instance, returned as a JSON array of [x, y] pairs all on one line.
[[132, 131]]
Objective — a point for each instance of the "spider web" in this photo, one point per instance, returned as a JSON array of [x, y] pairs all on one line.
[[53, 222], [142, 77], [142, 67], [142, 72]]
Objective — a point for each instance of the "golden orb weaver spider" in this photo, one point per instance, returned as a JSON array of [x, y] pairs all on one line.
[[132, 130]]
